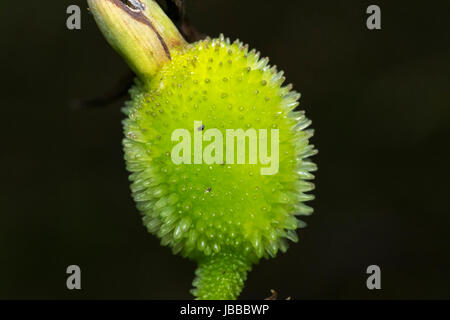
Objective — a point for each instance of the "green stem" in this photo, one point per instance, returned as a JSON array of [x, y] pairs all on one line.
[[220, 277], [139, 31]]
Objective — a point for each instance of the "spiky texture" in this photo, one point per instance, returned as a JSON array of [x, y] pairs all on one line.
[[225, 217]]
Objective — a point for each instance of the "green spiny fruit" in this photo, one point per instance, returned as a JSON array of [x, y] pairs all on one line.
[[224, 216]]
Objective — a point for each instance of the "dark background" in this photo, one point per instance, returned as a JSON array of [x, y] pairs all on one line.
[[380, 105]]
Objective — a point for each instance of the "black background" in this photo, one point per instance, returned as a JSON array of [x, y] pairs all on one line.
[[380, 105]]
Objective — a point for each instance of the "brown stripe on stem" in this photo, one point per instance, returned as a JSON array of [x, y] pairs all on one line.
[[138, 15]]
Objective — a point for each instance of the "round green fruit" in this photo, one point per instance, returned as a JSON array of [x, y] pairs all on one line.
[[225, 216]]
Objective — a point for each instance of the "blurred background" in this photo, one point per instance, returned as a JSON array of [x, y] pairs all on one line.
[[380, 105]]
